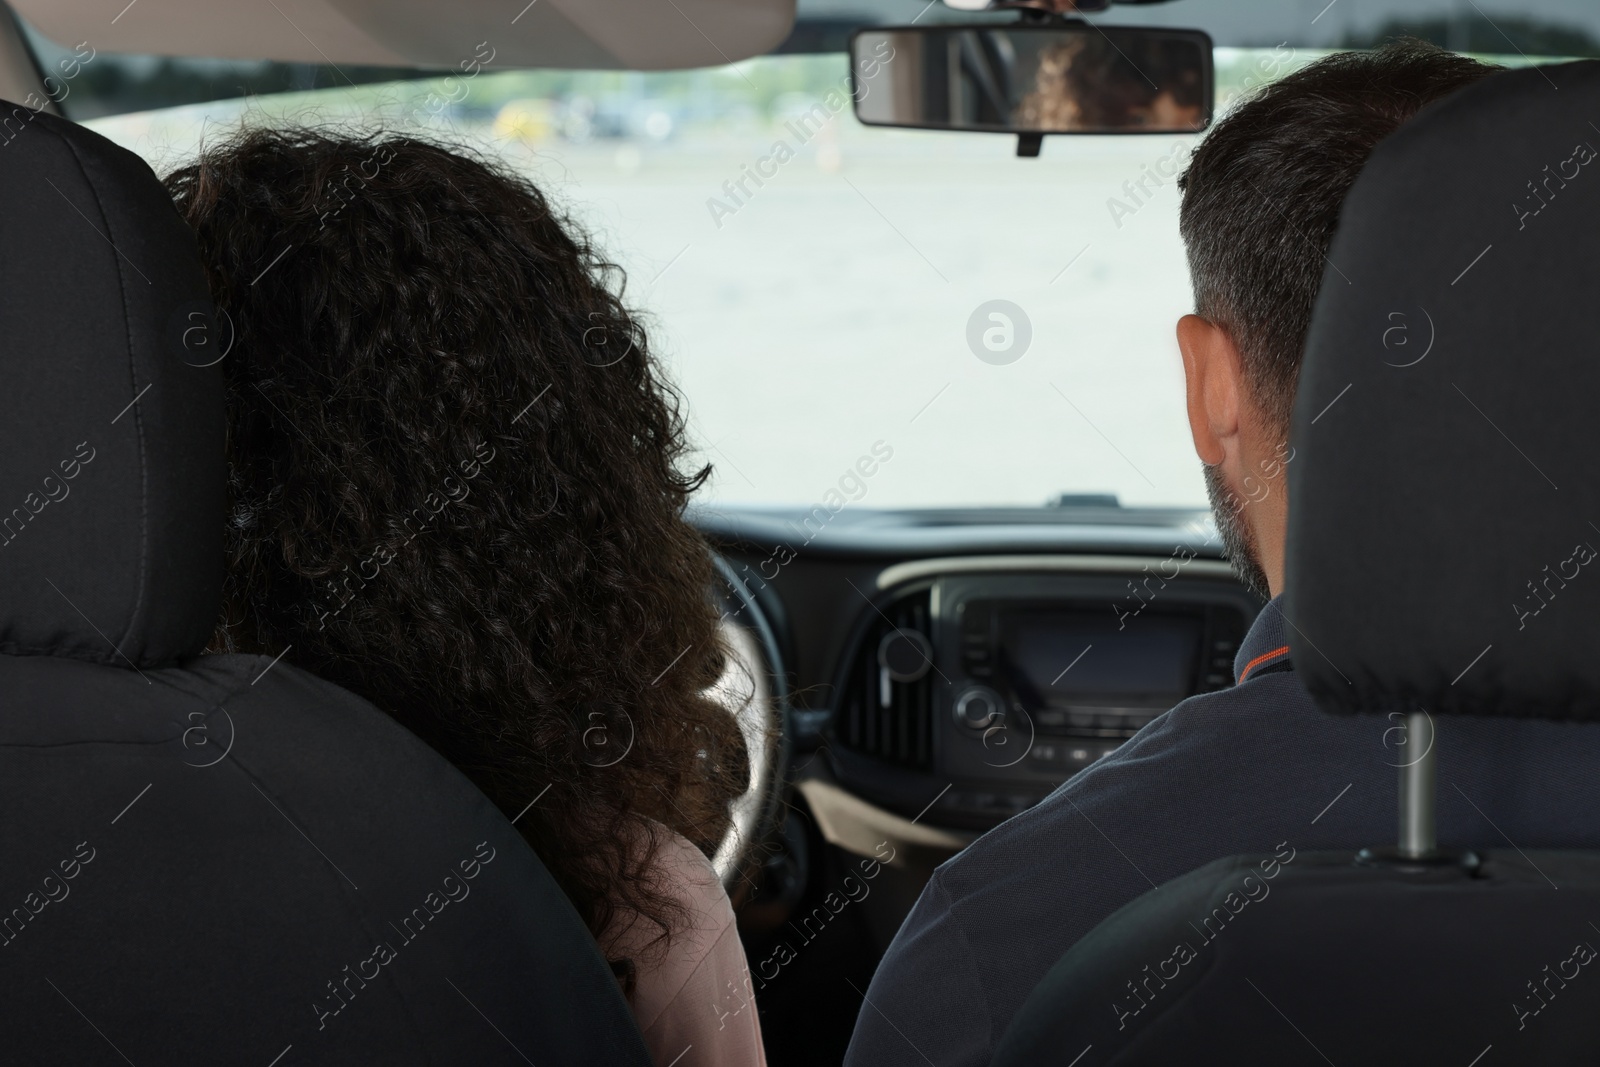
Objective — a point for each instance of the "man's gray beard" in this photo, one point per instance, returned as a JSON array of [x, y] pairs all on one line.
[[1238, 540]]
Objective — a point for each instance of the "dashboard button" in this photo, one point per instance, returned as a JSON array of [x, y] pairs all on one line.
[[978, 707], [1044, 753], [906, 655]]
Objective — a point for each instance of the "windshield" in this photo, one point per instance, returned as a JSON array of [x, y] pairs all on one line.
[[984, 330]]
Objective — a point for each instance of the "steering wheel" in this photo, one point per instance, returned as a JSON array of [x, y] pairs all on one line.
[[754, 690]]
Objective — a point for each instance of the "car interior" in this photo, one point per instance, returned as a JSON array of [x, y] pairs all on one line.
[[917, 294]]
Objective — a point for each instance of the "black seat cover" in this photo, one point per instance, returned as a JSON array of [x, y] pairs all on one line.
[[212, 858], [1463, 480], [1445, 516]]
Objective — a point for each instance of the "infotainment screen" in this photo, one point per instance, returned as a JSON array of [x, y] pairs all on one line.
[[1058, 657]]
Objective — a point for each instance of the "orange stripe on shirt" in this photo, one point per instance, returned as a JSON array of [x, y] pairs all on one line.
[[1259, 660]]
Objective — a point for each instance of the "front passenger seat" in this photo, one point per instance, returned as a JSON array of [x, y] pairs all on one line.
[[1440, 542], [212, 858]]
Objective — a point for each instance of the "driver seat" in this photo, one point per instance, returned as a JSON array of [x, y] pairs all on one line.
[[1444, 516], [212, 857]]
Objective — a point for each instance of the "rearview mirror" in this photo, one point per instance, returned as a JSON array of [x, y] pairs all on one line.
[[1066, 77]]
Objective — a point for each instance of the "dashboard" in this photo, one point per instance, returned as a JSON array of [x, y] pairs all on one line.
[[949, 669], [993, 679]]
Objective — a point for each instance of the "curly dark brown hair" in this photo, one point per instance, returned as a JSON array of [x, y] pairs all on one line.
[[456, 488]]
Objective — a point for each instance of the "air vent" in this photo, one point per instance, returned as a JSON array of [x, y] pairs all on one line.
[[879, 716]]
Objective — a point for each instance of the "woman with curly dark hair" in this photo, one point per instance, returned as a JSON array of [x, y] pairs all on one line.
[[456, 489]]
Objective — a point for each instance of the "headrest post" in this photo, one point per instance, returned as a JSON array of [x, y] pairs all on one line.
[[1418, 831]]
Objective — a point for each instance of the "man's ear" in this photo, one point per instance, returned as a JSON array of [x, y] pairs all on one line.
[[1212, 380]]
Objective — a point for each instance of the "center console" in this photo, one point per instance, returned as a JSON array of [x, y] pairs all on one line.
[[1046, 677], [1003, 685]]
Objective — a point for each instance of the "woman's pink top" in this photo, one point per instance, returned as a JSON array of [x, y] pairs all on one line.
[[694, 1005]]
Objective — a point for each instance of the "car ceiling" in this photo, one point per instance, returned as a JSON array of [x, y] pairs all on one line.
[[585, 34]]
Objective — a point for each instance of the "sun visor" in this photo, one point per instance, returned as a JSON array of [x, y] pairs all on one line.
[[569, 34]]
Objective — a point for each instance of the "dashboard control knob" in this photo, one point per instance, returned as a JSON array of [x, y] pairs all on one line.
[[978, 707], [906, 654], [903, 656]]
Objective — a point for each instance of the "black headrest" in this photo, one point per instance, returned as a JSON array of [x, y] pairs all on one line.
[[1444, 500], [111, 433]]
